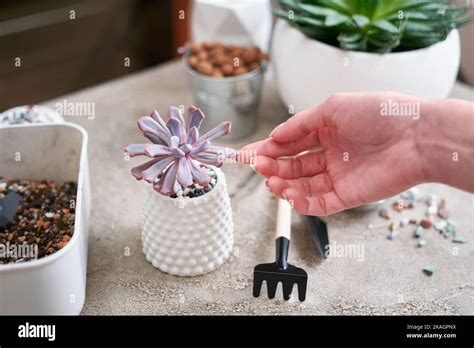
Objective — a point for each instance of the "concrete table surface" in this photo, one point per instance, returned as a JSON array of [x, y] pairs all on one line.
[[385, 278]]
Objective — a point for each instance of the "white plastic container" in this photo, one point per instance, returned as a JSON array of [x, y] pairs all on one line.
[[188, 236], [55, 284]]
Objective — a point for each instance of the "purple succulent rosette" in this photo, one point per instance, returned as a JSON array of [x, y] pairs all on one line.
[[177, 151]]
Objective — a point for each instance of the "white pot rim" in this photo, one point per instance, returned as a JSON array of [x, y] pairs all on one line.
[[362, 54], [38, 263]]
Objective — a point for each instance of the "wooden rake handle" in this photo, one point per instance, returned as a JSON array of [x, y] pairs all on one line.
[[283, 234]]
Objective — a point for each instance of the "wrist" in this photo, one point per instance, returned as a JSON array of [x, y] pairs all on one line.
[[443, 137]]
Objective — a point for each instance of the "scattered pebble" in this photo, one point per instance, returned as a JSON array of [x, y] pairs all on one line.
[[404, 222], [442, 213], [413, 195], [430, 270], [440, 225], [426, 223], [196, 190], [459, 240], [435, 208], [398, 206], [394, 225], [419, 231], [451, 222], [448, 233], [385, 214], [432, 210], [394, 234]]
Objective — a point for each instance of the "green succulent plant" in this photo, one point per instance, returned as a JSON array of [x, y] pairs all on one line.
[[374, 25]]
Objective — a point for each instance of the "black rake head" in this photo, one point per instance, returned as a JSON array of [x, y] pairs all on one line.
[[273, 274]]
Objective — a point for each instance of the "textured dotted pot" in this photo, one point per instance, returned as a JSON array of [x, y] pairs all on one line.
[[188, 236]]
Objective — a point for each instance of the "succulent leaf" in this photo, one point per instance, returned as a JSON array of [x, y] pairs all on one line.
[[166, 183], [150, 174], [177, 150], [135, 150], [195, 118], [217, 132], [193, 135], [137, 171]]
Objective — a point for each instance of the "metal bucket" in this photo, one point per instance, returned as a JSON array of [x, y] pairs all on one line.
[[234, 99]]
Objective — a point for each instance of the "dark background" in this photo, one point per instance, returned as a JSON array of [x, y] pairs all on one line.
[[60, 55]]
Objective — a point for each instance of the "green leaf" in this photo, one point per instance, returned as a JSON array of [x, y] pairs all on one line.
[[341, 6], [334, 20], [319, 11], [382, 24], [360, 21], [375, 25], [350, 37]]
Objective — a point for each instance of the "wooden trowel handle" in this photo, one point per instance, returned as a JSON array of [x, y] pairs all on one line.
[[283, 228], [283, 232]]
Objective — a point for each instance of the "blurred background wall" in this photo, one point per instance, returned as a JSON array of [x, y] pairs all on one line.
[[61, 51], [60, 54]]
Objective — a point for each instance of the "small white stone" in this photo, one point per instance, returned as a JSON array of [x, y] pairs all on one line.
[[432, 200], [432, 209], [49, 215], [404, 222], [440, 225]]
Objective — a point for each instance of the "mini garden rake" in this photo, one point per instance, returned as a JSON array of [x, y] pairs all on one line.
[[280, 270]]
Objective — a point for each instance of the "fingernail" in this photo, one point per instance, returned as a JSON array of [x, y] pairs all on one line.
[[266, 185], [275, 129], [253, 166]]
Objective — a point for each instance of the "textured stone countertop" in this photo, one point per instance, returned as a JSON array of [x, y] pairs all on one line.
[[388, 280]]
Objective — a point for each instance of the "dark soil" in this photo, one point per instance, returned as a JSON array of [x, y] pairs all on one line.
[[44, 219]]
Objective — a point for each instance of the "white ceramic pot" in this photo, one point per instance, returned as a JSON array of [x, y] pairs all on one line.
[[307, 71], [55, 284], [188, 236]]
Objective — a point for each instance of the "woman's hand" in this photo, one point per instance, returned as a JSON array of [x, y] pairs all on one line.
[[360, 152]]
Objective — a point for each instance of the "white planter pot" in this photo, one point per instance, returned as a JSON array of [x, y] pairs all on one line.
[[188, 237], [307, 71], [55, 284]]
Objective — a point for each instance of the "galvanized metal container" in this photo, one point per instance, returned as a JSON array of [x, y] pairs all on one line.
[[234, 99]]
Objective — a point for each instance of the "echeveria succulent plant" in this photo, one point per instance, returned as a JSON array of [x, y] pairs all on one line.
[[177, 150]]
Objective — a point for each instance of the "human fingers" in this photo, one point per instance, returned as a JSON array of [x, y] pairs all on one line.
[[311, 186], [271, 148], [305, 122], [308, 164], [326, 204]]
